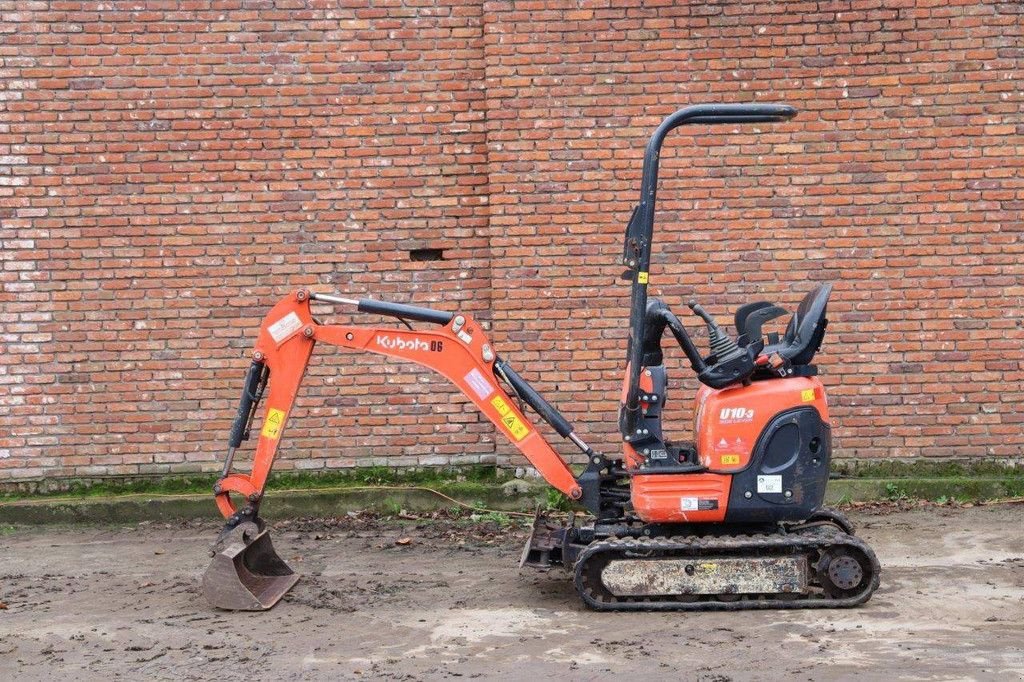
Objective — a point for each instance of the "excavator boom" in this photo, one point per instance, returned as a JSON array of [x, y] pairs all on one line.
[[456, 348]]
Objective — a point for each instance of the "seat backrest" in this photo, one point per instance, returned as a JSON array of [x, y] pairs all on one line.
[[806, 328]]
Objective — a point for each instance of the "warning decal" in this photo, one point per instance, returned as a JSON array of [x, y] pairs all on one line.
[[807, 395], [273, 423], [730, 459], [514, 424], [642, 277]]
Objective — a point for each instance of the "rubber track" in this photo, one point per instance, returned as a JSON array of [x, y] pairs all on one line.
[[807, 541]]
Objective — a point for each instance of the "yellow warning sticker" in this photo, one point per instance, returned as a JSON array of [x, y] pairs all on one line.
[[273, 423], [642, 277], [730, 459], [500, 405], [514, 424], [807, 395]]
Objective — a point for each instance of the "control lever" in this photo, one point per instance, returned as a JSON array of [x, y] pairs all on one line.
[[728, 363], [723, 348]]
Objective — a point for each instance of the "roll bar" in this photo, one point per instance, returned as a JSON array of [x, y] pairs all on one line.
[[636, 252]]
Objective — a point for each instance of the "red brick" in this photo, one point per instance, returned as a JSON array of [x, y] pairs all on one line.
[[167, 174]]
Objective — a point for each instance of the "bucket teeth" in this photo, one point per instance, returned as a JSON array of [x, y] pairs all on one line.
[[246, 574]]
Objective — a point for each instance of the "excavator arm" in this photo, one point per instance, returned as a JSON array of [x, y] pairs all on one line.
[[457, 349]]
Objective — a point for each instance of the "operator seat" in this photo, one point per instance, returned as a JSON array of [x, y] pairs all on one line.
[[803, 334]]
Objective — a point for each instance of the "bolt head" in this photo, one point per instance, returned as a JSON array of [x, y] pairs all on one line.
[[748, 494], [789, 493], [300, 295], [257, 356]]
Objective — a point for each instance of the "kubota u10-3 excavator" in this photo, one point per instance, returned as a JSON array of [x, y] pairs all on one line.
[[733, 520]]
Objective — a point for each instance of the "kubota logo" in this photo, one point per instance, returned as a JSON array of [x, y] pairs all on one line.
[[385, 341], [736, 414]]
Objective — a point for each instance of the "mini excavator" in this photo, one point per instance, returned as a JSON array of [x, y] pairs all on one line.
[[733, 520]]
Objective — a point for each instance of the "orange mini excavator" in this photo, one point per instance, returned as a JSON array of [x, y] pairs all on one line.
[[733, 520]]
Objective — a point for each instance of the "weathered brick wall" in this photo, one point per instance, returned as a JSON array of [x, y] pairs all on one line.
[[167, 170]]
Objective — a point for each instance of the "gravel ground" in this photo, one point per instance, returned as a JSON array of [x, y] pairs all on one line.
[[124, 603]]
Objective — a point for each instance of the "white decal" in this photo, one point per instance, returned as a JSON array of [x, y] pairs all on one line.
[[732, 415], [285, 327], [688, 503], [478, 383], [769, 484], [385, 341], [466, 338]]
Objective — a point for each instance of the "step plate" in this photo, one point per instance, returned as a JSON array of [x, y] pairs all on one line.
[[705, 576]]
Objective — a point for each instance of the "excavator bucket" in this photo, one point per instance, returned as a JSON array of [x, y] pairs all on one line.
[[246, 574]]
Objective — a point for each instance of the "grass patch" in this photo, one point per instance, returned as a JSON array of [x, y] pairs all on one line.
[[468, 479], [496, 517], [917, 468], [895, 480]]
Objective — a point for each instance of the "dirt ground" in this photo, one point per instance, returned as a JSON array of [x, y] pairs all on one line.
[[124, 603]]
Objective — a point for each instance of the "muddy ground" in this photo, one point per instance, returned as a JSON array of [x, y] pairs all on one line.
[[124, 603]]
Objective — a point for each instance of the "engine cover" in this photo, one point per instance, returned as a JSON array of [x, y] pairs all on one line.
[[729, 421], [766, 449]]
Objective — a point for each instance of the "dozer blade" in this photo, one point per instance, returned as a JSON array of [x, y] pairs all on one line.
[[543, 549], [246, 574]]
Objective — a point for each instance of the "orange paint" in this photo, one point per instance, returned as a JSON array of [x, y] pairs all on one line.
[[679, 498], [729, 420]]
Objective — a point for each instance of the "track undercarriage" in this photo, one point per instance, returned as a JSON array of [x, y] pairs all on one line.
[[635, 567]]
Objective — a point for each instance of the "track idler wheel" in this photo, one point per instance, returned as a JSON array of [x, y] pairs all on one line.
[[246, 574], [843, 571]]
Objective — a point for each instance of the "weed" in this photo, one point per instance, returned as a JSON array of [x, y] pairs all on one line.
[[554, 500], [494, 517], [895, 492]]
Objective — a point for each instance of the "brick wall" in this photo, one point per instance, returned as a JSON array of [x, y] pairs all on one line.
[[169, 169]]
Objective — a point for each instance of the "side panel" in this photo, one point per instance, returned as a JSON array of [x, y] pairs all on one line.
[[680, 498], [788, 472], [730, 420]]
